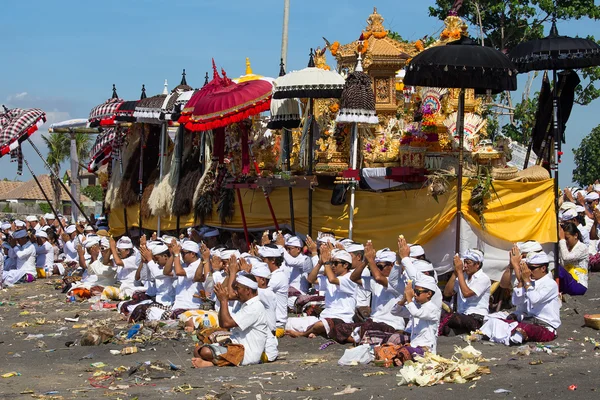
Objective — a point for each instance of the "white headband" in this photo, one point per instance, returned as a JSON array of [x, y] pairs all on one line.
[[474, 255], [269, 252], [416, 250], [243, 280], [530, 246], [385, 255]]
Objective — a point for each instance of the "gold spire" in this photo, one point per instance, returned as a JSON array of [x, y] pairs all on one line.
[[375, 22], [248, 67]]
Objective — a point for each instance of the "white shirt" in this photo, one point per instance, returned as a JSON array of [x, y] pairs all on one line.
[[44, 255], [363, 295], [160, 285], [186, 288], [425, 319], [575, 261], [414, 274], [279, 284], [70, 251], [126, 273], [25, 257], [540, 300], [383, 301], [478, 304], [105, 274], [269, 301], [585, 234], [297, 268], [340, 300], [251, 331]]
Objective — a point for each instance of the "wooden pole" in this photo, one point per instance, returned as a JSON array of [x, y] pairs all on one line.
[[460, 123]]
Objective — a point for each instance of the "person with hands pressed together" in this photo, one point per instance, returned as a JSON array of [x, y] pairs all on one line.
[[24, 253], [574, 260], [472, 288], [538, 296], [384, 297], [424, 314], [187, 285], [279, 282], [249, 330], [340, 298]]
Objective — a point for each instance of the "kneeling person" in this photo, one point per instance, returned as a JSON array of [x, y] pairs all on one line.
[[249, 328]]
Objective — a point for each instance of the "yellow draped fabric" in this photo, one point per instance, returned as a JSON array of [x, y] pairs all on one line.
[[515, 212]]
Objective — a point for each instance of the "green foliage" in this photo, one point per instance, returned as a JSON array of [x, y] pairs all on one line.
[[7, 209], [587, 91], [93, 192], [587, 168], [506, 23], [524, 117], [397, 37], [45, 208]]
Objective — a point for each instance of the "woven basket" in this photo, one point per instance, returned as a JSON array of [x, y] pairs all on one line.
[[535, 173], [504, 174], [592, 320]]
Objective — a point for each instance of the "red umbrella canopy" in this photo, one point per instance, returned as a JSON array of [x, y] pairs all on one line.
[[16, 125], [215, 84], [231, 104]]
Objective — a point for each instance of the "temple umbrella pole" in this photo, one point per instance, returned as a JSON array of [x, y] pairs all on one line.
[[288, 142], [44, 193], [121, 170], [310, 163], [163, 132], [74, 172], [557, 154], [61, 182], [460, 123], [141, 183], [257, 170], [354, 160], [178, 156]]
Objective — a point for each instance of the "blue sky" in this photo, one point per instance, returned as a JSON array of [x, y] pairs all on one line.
[[63, 56]]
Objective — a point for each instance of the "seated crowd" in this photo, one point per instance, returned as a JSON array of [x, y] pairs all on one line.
[[240, 299]]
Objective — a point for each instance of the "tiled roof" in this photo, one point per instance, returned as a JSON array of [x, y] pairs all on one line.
[[30, 191], [385, 47], [7, 186]]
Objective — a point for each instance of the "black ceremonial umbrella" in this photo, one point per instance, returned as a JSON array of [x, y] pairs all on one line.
[[462, 64], [555, 52]]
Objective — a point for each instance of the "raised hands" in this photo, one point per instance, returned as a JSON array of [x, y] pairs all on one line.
[[403, 249]]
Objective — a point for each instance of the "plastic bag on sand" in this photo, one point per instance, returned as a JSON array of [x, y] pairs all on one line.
[[362, 354]]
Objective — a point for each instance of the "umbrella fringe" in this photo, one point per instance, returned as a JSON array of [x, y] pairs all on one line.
[[113, 195], [220, 122], [162, 196], [203, 203], [226, 206], [188, 180]]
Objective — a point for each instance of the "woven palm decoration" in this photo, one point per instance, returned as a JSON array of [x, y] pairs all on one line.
[[433, 97], [358, 100], [473, 124]]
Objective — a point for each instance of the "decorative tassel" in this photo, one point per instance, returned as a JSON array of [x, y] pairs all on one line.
[[226, 207]]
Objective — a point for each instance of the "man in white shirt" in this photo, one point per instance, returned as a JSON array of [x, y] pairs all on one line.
[[24, 253], [472, 288], [33, 222], [69, 248], [279, 282], [249, 329], [384, 297], [340, 298], [187, 284], [44, 251], [160, 285], [363, 295], [537, 293], [297, 264]]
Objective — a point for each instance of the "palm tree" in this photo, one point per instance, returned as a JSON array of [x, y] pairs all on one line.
[[83, 144], [58, 151]]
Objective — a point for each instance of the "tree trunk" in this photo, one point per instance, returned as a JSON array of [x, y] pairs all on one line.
[[56, 192]]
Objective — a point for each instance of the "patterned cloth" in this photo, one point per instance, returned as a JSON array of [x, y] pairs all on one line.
[[16, 125], [105, 113], [102, 149]]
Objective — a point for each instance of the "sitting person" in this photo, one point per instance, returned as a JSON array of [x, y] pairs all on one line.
[[126, 263], [44, 251], [424, 314], [537, 294], [574, 259], [340, 298], [279, 282], [383, 296], [23, 252], [518, 252], [249, 329], [472, 286]]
